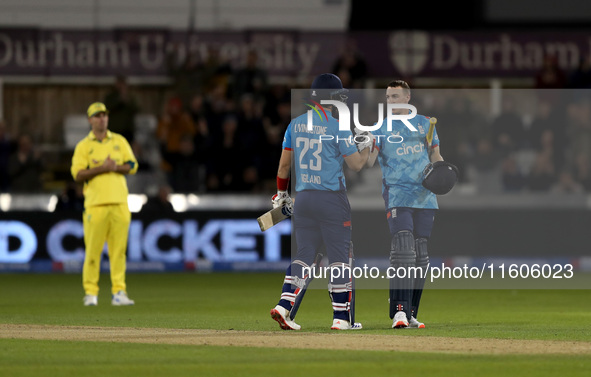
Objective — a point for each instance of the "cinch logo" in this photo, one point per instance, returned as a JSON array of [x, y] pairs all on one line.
[[410, 149], [315, 108]]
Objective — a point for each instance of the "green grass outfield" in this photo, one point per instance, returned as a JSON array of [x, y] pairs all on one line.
[[232, 301]]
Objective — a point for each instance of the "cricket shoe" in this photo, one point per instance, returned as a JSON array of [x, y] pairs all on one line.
[[340, 324], [414, 324], [120, 299], [400, 320], [281, 315], [90, 300]]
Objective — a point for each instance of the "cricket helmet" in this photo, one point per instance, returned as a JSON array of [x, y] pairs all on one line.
[[440, 177]]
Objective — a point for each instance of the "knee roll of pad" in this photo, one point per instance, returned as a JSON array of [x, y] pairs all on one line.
[[422, 253], [402, 250]]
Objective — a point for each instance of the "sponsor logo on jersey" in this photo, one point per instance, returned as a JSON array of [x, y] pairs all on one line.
[[404, 149]]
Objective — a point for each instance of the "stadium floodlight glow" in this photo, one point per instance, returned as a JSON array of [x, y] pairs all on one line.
[[193, 199], [5, 200], [52, 203], [179, 202], [136, 202]]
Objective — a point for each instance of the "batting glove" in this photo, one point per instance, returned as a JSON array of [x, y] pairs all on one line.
[[281, 198], [364, 139]]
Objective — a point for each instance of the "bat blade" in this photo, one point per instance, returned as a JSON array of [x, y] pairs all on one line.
[[271, 218]]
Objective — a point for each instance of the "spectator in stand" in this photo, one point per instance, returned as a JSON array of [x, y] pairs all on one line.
[[216, 71], [71, 198], [579, 127], [197, 107], [25, 167], [545, 119], [542, 174], [122, 109], [550, 75], [174, 124], [187, 74], [513, 179], [274, 123], [225, 170], [486, 167], [581, 76], [507, 128], [202, 140], [462, 131], [186, 175], [251, 132], [216, 109], [353, 63], [582, 170], [566, 184], [486, 157], [160, 203], [275, 95], [250, 79], [147, 171], [548, 147]]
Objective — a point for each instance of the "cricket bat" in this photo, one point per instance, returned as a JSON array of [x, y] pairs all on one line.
[[432, 122], [308, 279], [272, 217]]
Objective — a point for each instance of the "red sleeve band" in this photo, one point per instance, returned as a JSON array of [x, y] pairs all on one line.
[[282, 183]]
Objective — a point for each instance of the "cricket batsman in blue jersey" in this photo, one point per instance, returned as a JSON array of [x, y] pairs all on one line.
[[321, 213], [405, 156]]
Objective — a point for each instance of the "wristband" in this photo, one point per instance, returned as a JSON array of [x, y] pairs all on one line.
[[282, 183]]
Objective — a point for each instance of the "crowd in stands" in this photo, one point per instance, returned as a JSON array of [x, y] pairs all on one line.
[[221, 132]]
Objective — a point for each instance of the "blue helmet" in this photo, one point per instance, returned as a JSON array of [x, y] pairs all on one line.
[[328, 86]]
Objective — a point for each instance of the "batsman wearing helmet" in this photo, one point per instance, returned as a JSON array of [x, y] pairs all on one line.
[[101, 160], [321, 213], [406, 160]]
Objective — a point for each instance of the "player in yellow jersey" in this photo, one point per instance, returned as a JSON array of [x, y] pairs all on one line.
[[101, 160]]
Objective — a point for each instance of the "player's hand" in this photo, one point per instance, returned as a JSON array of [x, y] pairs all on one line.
[[287, 208], [427, 170], [109, 165], [364, 139], [280, 199]]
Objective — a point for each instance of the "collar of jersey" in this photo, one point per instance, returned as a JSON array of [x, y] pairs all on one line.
[[93, 137]]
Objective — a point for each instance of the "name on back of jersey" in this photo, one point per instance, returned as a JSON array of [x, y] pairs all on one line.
[[311, 178], [302, 127]]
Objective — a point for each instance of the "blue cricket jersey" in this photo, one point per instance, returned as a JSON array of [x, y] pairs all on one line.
[[318, 154], [403, 161]]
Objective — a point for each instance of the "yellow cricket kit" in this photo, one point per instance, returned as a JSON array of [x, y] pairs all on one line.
[[105, 188], [106, 214]]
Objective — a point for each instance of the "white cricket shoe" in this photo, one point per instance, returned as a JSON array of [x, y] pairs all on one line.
[[400, 320], [281, 315], [120, 299], [90, 300], [341, 324], [414, 324]]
